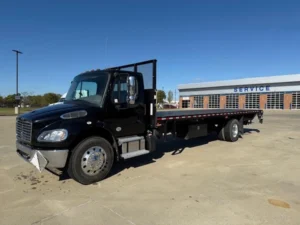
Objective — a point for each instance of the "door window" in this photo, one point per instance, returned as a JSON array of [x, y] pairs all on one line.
[[119, 94]]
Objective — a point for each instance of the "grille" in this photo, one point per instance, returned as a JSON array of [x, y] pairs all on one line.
[[24, 130]]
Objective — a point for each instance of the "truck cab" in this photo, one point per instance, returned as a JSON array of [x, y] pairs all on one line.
[[103, 119]]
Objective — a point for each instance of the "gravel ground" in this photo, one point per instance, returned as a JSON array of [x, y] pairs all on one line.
[[205, 181]]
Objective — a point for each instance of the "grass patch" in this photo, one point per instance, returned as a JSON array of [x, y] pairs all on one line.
[[11, 111]]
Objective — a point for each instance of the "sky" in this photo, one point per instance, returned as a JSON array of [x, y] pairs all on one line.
[[193, 41]]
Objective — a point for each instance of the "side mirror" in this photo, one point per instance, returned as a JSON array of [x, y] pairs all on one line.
[[131, 82]]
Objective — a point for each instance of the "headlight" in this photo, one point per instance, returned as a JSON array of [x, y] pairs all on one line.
[[74, 114], [53, 135]]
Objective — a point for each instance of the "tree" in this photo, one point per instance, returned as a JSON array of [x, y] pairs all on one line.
[[170, 96], [36, 100], [160, 96], [10, 100], [26, 98], [49, 98], [1, 101]]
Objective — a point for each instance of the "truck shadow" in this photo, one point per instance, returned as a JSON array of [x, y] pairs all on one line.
[[176, 146], [249, 130]]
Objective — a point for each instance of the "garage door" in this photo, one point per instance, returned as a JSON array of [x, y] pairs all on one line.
[[232, 101], [198, 102], [185, 103], [214, 101], [296, 100], [252, 101], [275, 100]]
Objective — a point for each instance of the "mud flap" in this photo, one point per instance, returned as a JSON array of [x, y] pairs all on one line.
[[260, 116], [39, 161], [241, 126]]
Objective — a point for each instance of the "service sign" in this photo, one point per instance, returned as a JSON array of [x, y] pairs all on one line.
[[252, 89]]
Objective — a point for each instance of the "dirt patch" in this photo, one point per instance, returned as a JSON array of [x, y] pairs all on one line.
[[29, 178], [279, 203]]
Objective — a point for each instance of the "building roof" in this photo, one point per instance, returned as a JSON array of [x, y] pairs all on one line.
[[245, 81]]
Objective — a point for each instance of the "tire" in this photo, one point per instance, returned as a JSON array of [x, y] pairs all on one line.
[[220, 132], [91, 160], [232, 130], [221, 135]]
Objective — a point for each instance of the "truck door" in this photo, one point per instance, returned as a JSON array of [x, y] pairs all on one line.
[[126, 119]]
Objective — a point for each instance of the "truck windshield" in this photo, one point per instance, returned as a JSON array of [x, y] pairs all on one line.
[[88, 88]]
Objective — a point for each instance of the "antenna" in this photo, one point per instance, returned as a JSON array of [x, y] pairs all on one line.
[[105, 50]]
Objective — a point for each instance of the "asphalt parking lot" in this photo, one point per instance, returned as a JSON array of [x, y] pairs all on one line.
[[253, 181]]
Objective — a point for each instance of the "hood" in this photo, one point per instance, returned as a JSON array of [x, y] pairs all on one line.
[[51, 112]]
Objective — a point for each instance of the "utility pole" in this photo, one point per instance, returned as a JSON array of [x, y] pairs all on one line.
[[17, 81], [175, 97]]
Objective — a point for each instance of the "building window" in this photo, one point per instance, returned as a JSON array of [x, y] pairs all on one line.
[[185, 103], [232, 101], [252, 101], [214, 101], [275, 100], [198, 102], [296, 100]]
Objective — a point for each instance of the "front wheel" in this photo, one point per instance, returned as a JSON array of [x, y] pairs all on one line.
[[91, 160]]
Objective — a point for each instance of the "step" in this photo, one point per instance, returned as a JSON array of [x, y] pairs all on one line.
[[134, 154], [129, 139]]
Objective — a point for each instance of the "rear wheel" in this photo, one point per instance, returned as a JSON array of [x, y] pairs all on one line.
[[91, 160], [231, 130], [221, 134]]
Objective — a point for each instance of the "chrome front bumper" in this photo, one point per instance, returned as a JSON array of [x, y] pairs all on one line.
[[44, 158]]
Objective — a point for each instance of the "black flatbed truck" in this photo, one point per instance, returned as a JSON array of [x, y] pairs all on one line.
[[110, 115]]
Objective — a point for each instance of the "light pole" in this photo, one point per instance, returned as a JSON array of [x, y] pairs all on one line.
[[17, 81], [175, 98]]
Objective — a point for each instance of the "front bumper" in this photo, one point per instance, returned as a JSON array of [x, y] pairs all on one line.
[[43, 158]]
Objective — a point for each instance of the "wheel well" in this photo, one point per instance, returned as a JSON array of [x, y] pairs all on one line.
[[222, 121], [97, 132]]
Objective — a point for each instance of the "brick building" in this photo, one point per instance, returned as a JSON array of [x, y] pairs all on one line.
[[276, 92]]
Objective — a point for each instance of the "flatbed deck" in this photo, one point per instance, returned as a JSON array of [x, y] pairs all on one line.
[[190, 113]]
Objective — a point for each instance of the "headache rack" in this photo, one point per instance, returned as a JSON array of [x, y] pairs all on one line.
[[148, 70]]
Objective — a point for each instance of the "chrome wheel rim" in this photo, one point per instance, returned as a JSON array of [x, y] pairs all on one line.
[[93, 160], [235, 130]]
